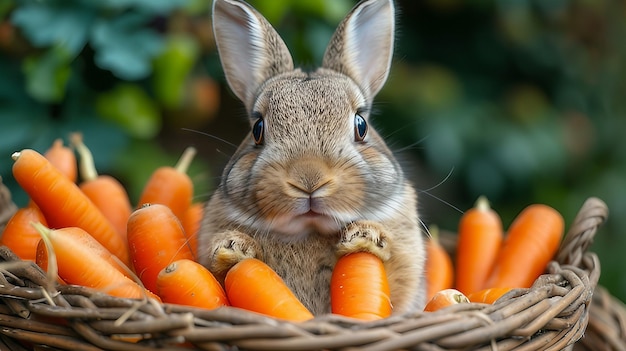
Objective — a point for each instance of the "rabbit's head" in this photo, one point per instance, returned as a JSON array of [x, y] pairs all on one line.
[[312, 162]]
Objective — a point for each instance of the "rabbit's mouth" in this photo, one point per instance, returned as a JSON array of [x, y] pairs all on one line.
[[306, 224], [311, 214]]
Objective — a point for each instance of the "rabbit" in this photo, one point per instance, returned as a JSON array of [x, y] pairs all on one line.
[[314, 180]]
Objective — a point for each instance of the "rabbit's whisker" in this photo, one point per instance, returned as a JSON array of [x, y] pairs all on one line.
[[211, 136]]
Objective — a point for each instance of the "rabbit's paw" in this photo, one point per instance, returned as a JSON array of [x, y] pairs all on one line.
[[365, 236], [235, 247]]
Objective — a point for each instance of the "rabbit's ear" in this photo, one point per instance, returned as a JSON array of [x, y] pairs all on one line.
[[362, 45], [250, 49]]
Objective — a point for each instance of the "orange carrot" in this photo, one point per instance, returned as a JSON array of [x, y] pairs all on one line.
[[445, 298], [487, 295], [191, 221], [254, 286], [77, 259], [63, 158], [532, 240], [63, 203], [106, 192], [479, 240], [41, 259], [439, 267], [155, 239], [171, 186], [359, 287], [19, 235], [186, 282]]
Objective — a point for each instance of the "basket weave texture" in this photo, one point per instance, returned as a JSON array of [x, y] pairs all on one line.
[[552, 315]]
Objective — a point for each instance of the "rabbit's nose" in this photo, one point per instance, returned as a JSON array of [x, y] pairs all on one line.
[[310, 187], [309, 176]]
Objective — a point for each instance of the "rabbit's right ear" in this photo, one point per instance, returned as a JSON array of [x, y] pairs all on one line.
[[249, 47]]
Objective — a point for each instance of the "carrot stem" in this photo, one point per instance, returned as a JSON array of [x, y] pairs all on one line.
[[52, 270], [86, 167], [185, 159]]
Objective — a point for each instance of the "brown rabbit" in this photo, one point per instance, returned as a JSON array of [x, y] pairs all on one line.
[[314, 180]]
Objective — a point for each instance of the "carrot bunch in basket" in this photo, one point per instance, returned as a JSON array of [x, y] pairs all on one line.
[[67, 194], [145, 251], [489, 263]]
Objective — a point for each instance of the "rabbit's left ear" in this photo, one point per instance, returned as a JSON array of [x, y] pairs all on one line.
[[249, 47], [362, 45]]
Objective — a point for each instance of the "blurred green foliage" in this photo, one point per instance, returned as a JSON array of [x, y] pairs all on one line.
[[519, 100], [119, 71]]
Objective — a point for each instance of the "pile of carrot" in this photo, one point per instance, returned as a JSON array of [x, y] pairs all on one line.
[[489, 262], [81, 228]]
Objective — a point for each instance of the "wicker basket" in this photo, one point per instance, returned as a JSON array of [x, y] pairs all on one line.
[[552, 315]]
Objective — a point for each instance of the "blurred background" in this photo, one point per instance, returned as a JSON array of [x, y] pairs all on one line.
[[523, 101]]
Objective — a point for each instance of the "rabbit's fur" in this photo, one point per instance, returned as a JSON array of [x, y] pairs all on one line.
[[304, 188]]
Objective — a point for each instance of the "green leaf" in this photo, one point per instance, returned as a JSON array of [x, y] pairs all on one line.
[[155, 6], [45, 24], [125, 47], [47, 75], [130, 107], [172, 68], [331, 10], [274, 10], [197, 7], [5, 8]]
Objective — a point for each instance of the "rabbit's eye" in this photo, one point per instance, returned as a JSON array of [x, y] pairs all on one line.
[[258, 131], [360, 127]]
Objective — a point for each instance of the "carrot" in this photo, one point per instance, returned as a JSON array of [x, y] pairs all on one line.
[[63, 203], [106, 192], [19, 235], [155, 239], [252, 285], [77, 258], [63, 158], [186, 282], [171, 186], [359, 287], [532, 240], [479, 240], [41, 259], [191, 221], [439, 267], [487, 295], [445, 298]]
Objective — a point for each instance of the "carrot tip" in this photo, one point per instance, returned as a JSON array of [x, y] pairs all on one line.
[[482, 203]]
